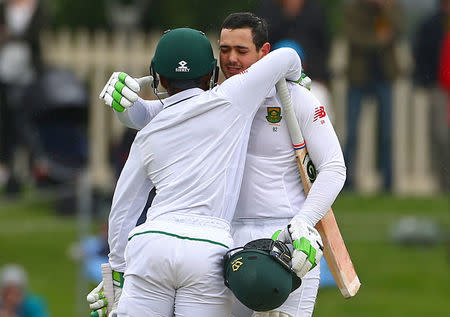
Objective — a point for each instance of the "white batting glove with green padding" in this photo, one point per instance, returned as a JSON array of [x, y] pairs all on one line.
[[104, 298], [306, 242], [121, 90], [305, 81]]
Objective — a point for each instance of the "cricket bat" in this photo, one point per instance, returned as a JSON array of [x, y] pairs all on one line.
[[108, 288], [335, 251]]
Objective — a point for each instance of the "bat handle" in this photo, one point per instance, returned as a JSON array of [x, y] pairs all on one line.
[[291, 118], [108, 288]]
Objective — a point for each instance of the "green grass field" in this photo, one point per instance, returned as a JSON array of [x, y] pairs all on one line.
[[396, 280]]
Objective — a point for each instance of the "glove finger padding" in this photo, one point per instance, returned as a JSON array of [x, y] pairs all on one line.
[[308, 247], [97, 301], [121, 91], [283, 236], [95, 294], [99, 313], [101, 303], [127, 80], [300, 265], [305, 81]]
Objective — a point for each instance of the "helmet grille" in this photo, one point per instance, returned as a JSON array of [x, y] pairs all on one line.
[[260, 244]]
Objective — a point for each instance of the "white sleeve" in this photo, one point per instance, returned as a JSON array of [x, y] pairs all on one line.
[[129, 200], [140, 114], [325, 152], [249, 88]]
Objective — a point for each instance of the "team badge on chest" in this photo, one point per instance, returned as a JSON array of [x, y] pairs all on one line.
[[273, 114]]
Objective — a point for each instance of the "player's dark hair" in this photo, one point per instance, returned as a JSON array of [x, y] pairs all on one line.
[[184, 83], [241, 20]]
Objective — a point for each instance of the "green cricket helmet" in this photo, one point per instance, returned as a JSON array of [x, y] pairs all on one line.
[[260, 275], [184, 54]]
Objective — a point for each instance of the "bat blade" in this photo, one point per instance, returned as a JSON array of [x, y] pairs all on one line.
[[335, 251], [337, 256]]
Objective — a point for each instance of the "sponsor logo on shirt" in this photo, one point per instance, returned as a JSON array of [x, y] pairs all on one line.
[[319, 113], [182, 68], [273, 114]]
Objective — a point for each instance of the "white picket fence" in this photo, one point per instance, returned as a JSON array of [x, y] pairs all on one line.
[[94, 56]]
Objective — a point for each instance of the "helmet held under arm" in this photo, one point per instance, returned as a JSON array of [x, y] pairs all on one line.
[[260, 275]]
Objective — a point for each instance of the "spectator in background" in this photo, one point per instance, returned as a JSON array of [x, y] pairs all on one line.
[[15, 300], [302, 25], [372, 28], [95, 251], [304, 22], [20, 61], [432, 57]]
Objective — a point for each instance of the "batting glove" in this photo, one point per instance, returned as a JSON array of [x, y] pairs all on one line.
[[98, 302], [121, 90], [306, 242], [305, 81]]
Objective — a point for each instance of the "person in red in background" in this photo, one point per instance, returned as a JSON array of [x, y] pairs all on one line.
[[432, 57], [444, 65], [444, 79]]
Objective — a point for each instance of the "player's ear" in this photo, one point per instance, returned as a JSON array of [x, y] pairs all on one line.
[[265, 49], [163, 81]]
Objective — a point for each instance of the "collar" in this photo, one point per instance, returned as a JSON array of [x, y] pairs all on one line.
[[181, 96]]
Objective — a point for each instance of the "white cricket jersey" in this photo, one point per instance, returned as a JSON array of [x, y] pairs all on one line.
[[193, 151], [271, 186]]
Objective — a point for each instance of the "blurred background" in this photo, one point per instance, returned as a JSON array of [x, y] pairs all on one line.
[[381, 68]]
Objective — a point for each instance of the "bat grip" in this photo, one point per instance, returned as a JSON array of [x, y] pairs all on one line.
[[108, 288], [290, 117]]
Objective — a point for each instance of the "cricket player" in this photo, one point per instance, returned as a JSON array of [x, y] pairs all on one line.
[[193, 152], [271, 192]]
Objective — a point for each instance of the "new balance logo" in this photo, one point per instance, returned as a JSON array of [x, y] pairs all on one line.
[[182, 68], [319, 112]]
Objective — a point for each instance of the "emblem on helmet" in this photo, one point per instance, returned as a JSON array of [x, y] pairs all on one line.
[[236, 264], [182, 68]]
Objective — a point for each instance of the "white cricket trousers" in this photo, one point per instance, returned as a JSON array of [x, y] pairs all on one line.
[[300, 303], [174, 268]]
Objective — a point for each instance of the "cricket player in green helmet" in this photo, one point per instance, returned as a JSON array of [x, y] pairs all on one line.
[[193, 152], [271, 194]]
